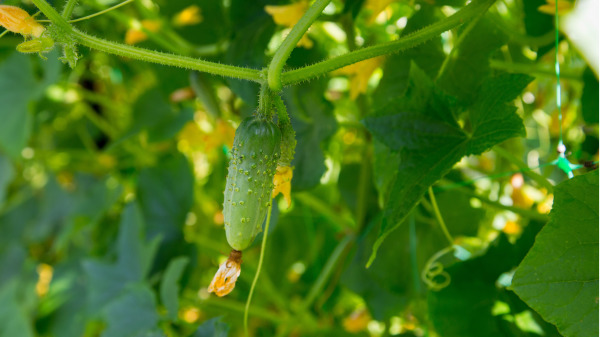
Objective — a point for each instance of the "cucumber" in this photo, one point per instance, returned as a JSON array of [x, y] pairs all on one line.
[[254, 157]]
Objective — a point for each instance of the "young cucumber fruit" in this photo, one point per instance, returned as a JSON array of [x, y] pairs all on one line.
[[254, 157]]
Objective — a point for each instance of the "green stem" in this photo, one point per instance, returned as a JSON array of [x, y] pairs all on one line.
[[532, 69], [87, 17], [258, 269], [439, 218], [525, 169], [145, 54], [265, 102], [474, 9], [284, 51], [334, 258], [68, 9], [282, 114], [524, 39]]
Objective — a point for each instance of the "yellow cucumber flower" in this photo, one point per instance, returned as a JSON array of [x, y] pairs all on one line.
[[550, 7], [376, 7], [19, 21], [135, 34], [288, 16], [187, 17], [359, 74], [283, 183]]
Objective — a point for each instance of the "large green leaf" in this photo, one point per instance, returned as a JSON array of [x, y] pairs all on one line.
[[423, 129], [14, 318], [19, 86], [589, 98], [134, 257], [132, 314], [16, 88], [169, 287], [6, 175], [213, 327], [392, 280], [313, 120], [428, 56], [165, 195], [559, 275], [466, 307], [468, 63]]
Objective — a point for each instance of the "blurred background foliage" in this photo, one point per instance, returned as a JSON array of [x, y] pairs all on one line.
[[111, 173]]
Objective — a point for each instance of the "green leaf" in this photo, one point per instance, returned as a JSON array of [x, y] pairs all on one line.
[[389, 283], [476, 303], [491, 119], [429, 56], [253, 29], [169, 288], [214, 327], [134, 258], [460, 217], [589, 98], [313, 120], [151, 112], [16, 88], [132, 314], [559, 275], [7, 173], [468, 62], [205, 92], [385, 164], [421, 126], [536, 23], [165, 195], [14, 318]]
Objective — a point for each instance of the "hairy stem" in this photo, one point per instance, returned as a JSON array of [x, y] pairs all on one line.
[[284, 51], [282, 114], [68, 9], [469, 12], [145, 54]]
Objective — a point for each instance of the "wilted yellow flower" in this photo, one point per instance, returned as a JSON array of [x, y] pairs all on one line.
[[359, 74], [188, 16], [550, 7], [136, 34], [288, 16], [283, 183], [228, 273], [19, 21], [357, 321], [376, 7]]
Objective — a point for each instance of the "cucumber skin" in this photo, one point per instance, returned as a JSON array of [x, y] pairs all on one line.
[[254, 157]]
